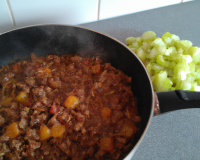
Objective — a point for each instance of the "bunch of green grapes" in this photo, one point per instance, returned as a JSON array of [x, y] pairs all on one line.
[[173, 64]]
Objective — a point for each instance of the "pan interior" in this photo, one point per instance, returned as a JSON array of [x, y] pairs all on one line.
[[42, 40]]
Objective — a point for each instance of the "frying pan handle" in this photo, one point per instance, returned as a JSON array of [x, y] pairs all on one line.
[[174, 100]]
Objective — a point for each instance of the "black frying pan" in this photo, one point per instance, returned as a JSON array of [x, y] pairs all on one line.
[[41, 40]]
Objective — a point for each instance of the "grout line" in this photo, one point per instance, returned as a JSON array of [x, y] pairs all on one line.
[[11, 13], [98, 14]]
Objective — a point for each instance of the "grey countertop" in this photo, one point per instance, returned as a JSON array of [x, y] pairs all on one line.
[[174, 135]]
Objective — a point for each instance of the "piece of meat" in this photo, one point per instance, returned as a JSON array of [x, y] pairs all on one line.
[[39, 91], [34, 145], [7, 77], [54, 82], [29, 70], [4, 149], [30, 81], [37, 120], [24, 87], [16, 145], [2, 120], [32, 134], [9, 114]]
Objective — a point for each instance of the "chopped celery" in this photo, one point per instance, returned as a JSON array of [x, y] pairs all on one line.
[[195, 53], [197, 75], [184, 44], [161, 82], [161, 49], [170, 39], [130, 46], [130, 40], [161, 61], [156, 67], [146, 46], [141, 54], [171, 51], [192, 67], [196, 88], [183, 85], [172, 63], [158, 42], [149, 35], [149, 68], [152, 54]]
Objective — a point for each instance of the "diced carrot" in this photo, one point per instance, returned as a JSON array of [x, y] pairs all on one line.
[[12, 130], [57, 130], [22, 97], [47, 70], [43, 71], [106, 112], [106, 144], [128, 131], [45, 133], [71, 102]]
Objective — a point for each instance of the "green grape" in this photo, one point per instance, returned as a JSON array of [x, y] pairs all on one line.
[[172, 63]]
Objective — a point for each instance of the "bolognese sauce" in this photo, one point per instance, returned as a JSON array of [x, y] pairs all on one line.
[[65, 107]]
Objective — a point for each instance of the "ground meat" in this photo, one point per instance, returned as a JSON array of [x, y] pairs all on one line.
[[7, 77], [30, 81], [29, 70], [32, 134], [65, 107], [54, 82], [39, 91], [23, 87], [4, 149], [16, 145], [34, 145], [2, 120], [9, 115]]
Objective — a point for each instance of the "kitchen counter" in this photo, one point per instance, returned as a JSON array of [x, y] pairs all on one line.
[[174, 135]]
